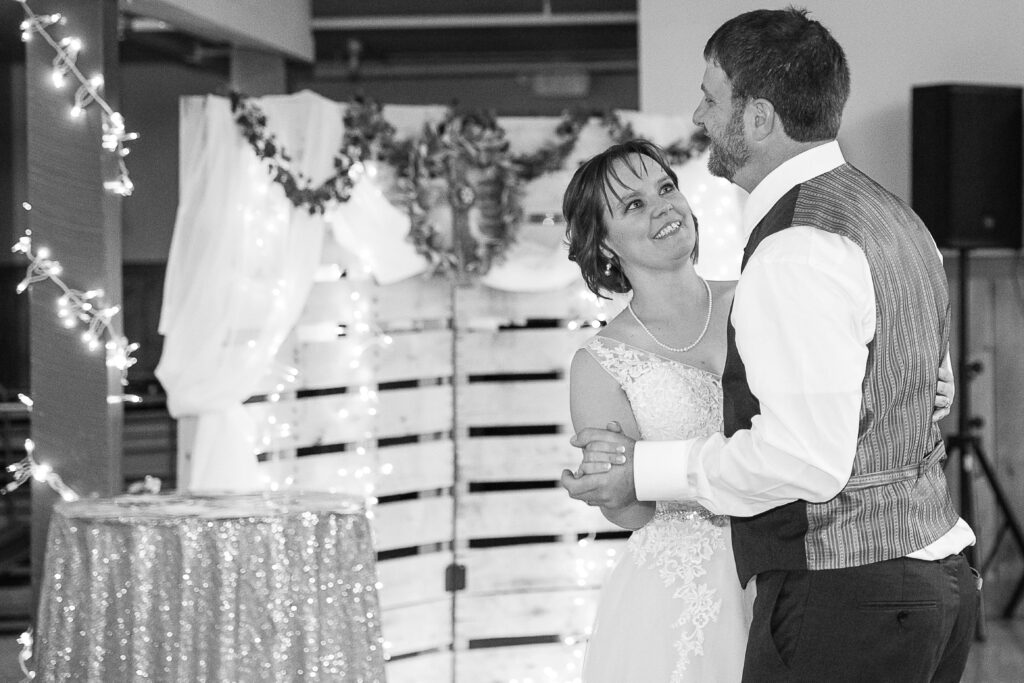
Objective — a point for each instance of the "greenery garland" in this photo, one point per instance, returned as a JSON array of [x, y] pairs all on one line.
[[677, 153], [462, 163], [459, 172], [299, 190], [552, 155], [371, 137]]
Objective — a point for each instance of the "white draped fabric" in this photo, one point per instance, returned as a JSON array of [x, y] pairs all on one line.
[[372, 228], [240, 269]]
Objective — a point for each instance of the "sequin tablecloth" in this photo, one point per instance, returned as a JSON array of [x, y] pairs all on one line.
[[246, 588]]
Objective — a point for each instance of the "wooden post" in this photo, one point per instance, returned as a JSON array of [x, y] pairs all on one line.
[[76, 431]]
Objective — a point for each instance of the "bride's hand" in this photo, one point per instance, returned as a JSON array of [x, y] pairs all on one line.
[[602, 448]]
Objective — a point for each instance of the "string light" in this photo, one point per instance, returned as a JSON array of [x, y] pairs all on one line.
[[598, 316], [29, 468], [25, 654], [75, 307], [87, 93]]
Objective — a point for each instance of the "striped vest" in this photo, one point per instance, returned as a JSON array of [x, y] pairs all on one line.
[[896, 501]]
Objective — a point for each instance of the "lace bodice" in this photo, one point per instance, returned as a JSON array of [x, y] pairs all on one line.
[[672, 400]]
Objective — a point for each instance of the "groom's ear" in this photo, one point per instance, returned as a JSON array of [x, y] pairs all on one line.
[[763, 118]]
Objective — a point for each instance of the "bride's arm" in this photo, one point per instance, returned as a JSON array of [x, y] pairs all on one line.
[[595, 399]]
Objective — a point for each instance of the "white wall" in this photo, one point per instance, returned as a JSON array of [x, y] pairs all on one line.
[[891, 45]]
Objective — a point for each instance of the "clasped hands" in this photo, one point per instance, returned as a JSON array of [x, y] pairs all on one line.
[[605, 475]]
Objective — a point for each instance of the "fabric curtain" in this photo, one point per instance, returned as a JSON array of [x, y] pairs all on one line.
[[240, 269]]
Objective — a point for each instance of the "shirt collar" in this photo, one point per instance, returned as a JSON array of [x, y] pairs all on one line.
[[789, 174]]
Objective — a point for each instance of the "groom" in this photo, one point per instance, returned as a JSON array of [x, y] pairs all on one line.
[[829, 465]]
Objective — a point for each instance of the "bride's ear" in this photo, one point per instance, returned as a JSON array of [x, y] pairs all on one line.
[[609, 260]]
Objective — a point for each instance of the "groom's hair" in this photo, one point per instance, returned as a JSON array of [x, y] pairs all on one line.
[[790, 60]]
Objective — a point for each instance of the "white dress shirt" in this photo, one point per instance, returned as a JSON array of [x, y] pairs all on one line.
[[804, 313]]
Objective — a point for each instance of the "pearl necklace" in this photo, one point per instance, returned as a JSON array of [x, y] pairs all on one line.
[[707, 323]]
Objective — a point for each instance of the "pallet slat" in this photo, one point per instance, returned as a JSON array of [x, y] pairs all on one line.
[[423, 355], [544, 662], [488, 404], [516, 458], [522, 350], [390, 470], [411, 523], [417, 467], [343, 418], [413, 580], [532, 512], [555, 613], [415, 299], [483, 303], [430, 667], [417, 628], [539, 566]]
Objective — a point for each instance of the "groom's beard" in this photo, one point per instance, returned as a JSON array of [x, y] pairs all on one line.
[[730, 152]]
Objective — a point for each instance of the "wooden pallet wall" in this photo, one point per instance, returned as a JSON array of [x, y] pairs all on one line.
[[382, 430], [458, 428], [532, 556]]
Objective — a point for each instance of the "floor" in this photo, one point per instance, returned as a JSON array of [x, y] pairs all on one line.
[[998, 659]]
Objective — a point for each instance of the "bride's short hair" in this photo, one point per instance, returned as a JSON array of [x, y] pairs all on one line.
[[583, 206]]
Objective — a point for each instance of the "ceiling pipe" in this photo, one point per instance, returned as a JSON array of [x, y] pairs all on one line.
[[342, 71], [434, 21]]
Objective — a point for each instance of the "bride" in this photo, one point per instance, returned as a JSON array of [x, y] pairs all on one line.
[[672, 609]]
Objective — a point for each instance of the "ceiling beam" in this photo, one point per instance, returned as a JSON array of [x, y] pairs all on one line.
[[276, 26]]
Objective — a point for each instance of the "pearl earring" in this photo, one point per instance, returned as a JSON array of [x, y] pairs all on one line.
[[608, 268]]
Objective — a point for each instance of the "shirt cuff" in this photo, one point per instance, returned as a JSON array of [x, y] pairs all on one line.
[[659, 470]]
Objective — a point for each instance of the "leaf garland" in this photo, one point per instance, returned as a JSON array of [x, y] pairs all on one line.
[[676, 154], [297, 187], [459, 171], [552, 155], [465, 161], [371, 137]]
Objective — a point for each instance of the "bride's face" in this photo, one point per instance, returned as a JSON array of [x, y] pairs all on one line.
[[649, 222]]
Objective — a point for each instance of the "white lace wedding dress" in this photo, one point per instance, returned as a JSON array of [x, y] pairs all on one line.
[[672, 610]]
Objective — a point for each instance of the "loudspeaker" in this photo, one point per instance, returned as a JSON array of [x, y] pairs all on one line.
[[966, 164]]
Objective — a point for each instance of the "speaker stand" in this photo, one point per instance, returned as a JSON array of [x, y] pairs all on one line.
[[967, 444]]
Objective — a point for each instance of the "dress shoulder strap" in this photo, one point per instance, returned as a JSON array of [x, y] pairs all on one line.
[[619, 360]]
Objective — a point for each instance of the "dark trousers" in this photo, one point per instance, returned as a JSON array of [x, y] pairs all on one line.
[[900, 620]]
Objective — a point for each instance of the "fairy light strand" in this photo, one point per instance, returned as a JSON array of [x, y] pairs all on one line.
[[25, 654], [29, 468], [88, 92], [76, 307]]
